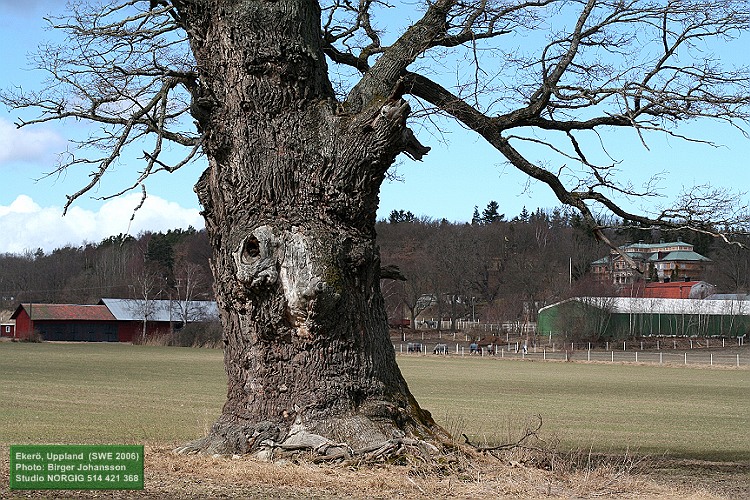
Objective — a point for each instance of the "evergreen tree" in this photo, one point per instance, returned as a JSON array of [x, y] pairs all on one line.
[[491, 213], [675, 276], [523, 217], [160, 254], [398, 216], [476, 219]]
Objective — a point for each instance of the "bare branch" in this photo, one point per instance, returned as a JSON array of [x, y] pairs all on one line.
[[547, 72], [588, 79], [529, 432], [125, 68]]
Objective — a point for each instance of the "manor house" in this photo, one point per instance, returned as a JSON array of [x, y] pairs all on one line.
[[663, 262]]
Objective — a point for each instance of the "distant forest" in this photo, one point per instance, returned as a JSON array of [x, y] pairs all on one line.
[[496, 268]]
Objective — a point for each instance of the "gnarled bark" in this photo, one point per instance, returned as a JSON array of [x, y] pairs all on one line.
[[289, 200]]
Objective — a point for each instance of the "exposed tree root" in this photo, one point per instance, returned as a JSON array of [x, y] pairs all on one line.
[[319, 449], [267, 441]]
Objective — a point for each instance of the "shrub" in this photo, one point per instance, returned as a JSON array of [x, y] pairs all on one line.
[[198, 335], [34, 336]]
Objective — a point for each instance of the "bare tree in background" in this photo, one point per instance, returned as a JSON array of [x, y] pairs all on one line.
[[186, 303], [147, 288], [301, 107]]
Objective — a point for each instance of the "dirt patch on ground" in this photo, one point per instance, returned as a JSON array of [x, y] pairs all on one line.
[[726, 480], [183, 477]]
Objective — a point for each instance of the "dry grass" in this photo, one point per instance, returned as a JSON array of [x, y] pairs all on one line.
[[176, 476]]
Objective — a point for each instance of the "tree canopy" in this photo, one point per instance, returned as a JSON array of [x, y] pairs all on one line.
[[542, 81]]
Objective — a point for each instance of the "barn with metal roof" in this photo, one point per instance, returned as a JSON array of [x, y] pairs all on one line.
[[623, 317], [137, 317], [112, 320]]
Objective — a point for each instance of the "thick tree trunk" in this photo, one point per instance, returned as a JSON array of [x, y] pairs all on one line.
[[289, 200]]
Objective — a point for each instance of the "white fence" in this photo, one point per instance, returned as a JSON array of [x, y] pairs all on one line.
[[519, 327], [703, 357]]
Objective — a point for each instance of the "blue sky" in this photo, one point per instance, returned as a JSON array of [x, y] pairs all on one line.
[[460, 172]]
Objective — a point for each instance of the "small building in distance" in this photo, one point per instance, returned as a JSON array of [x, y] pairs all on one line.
[[144, 318], [111, 320], [625, 317], [663, 262], [7, 325], [68, 322], [668, 290]]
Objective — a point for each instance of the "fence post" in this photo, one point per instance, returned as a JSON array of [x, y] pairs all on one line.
[[623, 345], [712, 359], [636, 356], [613, 356], [607, 348], [588, 355], [544, 354], [685, 358], [661, 357]]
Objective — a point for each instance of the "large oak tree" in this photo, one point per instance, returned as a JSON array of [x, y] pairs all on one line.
[[301, 106]]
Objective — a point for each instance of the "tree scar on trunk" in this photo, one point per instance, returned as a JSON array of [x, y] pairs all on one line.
[[290, 199]]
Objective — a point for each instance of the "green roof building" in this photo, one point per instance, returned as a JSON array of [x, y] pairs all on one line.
[[665, 261]]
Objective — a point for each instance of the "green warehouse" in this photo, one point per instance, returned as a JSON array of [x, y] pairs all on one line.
[[625, 317]]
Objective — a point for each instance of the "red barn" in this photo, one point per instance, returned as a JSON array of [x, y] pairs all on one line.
[[7, 326], [112, 320], [144, 318], [66, 322], [669, 290]]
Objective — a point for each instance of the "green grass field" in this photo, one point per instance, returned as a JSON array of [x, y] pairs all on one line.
[[115, 393], [646, 409], [108, 393]]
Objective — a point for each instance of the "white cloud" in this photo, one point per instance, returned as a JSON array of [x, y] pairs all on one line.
[[28, 145], [24, 225]]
